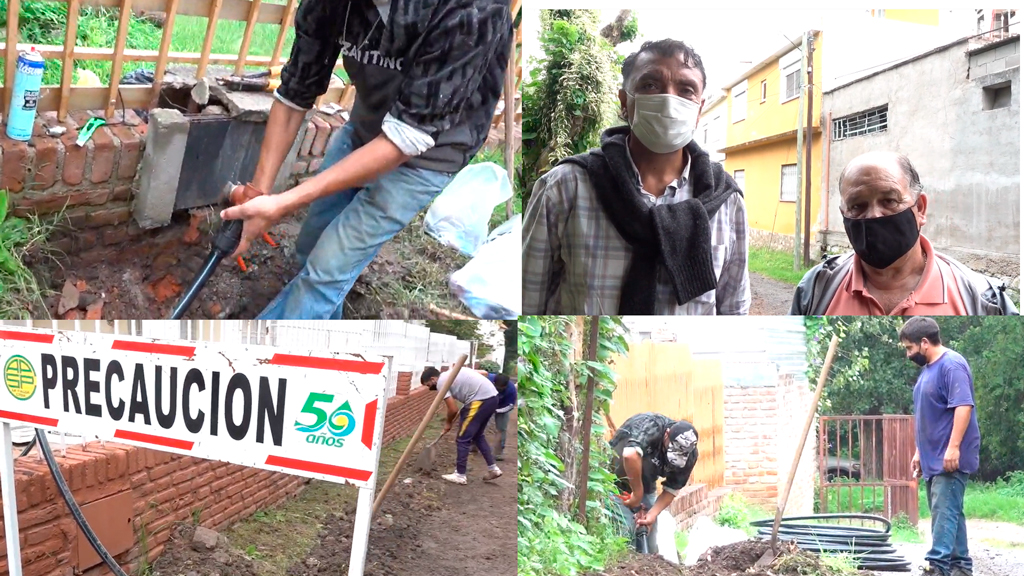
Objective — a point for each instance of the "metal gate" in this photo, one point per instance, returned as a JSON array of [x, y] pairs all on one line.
[[864, 465]]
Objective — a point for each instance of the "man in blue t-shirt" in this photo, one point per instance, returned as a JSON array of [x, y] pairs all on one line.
[[948, 442], [506, 403]]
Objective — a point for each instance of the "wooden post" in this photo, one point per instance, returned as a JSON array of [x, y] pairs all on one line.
[[115, 67], [808, 141], [11, 57], [441, 391], [250, 25], [165, 47], [588, 418], [68, 66], [286, 23], [211, 29]]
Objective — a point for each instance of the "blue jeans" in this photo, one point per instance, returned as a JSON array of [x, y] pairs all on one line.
[[627, 520], [344, 231], [949, 525]]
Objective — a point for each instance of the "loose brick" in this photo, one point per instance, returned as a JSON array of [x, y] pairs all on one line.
[[131, 151], [315, 163], [109, 216], [300, 167], [49, 155], [323, 132], [16, 163], [307, 139]]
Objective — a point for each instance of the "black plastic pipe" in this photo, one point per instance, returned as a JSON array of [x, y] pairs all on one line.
[[225, 242], [869, 547], [65, 492]]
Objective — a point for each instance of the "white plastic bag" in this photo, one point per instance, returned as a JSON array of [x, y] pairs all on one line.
[[490, 283], [667, 537], [460, 214]]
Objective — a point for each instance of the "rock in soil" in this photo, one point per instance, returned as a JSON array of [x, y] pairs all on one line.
[[181, 558]]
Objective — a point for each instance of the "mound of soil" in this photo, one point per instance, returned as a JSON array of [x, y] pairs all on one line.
[[180, 559], [731, 560]]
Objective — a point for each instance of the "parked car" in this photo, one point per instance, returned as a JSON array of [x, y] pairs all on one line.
[[836, 467]]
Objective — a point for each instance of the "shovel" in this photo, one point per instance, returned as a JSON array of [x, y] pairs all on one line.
[[425, 462], [772, 553]]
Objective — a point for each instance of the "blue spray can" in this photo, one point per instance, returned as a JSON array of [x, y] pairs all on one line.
[[25, 96]]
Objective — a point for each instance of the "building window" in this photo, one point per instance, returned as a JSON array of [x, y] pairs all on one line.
[[764, 90], [996, 96], [788, 190], [789, 76], [874, 120], [739, 102], [740, 179]]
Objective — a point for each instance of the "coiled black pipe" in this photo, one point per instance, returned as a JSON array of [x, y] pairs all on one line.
[[224, 243], [869, 547], [65, 492]]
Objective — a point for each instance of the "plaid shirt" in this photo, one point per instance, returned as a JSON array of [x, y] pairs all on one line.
[[574, 260]]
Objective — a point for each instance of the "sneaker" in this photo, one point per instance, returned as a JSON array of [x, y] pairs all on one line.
[[499, 457], [455, 478], [492, 474]]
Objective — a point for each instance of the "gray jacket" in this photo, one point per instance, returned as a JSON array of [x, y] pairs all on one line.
[[983, 296]]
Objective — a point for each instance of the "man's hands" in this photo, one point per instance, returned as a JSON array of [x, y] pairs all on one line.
[[951, 462], [259, 214], [632, 500], [915, 464], [645, 518], [447, 427]]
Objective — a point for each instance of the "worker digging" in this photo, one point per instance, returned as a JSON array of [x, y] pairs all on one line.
[[428, 76]]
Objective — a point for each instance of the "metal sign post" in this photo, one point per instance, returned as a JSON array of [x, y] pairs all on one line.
[[310, 413], [10, 504]]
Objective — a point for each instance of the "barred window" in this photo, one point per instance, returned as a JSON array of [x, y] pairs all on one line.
[[875, 120]]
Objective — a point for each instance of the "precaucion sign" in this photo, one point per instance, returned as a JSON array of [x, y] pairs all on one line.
[[312, 413]]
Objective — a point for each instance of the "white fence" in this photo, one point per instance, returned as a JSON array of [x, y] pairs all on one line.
[[407, 347]]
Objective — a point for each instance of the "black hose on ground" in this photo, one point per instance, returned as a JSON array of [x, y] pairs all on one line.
[[65, 492], [869, 547], [28, 448], [224, 243]]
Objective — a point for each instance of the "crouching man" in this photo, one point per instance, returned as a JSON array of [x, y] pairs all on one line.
[[649, 447]]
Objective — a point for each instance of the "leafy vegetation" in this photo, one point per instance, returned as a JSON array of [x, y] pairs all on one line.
[[777, 264], [20, 294], [553, 538], [1001, 501], [871, 375], [569, 97], [905, 532], [733, 513]]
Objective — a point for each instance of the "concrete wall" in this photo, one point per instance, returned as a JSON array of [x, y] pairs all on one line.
[[968, 158]]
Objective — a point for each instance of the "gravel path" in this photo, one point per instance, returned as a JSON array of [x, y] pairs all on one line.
[[997, 548], [769, 297]]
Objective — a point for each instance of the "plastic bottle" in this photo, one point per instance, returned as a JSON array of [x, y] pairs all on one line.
[[28, 77]]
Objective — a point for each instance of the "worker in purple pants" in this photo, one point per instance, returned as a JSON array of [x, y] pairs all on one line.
[[479, 400]]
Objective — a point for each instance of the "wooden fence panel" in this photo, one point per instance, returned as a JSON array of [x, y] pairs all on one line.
[[664, 378]]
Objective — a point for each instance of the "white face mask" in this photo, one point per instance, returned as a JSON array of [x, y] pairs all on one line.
[[663, 122]]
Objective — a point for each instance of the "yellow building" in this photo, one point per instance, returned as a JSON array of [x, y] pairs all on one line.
[[761, 138]]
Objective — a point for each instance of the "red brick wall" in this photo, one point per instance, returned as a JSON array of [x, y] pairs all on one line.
[[695, 501], [762, 429], [165, 488]]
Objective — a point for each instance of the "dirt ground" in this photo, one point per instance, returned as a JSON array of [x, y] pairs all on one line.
[[731, 560], [997, 548], [145, 277], [426, 526], [769, 297]]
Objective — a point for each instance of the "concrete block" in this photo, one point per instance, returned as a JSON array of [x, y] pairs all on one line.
[[984, 57], [283, 175], [978, 71], [161, 167], [995, 66], [1006, 50], [1012, 61]]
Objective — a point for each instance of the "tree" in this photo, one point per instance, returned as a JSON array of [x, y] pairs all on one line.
[[623, 29], [553, 363], [511, 347], [569, 98]]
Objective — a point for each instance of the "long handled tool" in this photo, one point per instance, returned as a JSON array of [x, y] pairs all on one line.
[[419, 432], [425, 462], [772, 553]]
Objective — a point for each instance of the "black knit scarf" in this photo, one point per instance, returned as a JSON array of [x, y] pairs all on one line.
[[676, 236]]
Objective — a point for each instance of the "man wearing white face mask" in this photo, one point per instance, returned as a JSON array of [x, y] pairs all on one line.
[[646, 224]]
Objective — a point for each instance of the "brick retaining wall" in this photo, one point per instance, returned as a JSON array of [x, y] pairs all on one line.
[[164, 488]]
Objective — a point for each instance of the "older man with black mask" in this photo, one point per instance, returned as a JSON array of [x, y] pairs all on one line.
[[647, 223], [893, 269]]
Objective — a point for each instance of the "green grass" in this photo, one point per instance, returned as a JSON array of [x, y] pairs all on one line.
[[20, 294], [848, 499], [905, 532], [1000, 501], [777, 264], [682, 541], [736, 512], [44, 23]]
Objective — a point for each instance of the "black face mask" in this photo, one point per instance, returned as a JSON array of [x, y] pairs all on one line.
[[919, 359], [881, 241]]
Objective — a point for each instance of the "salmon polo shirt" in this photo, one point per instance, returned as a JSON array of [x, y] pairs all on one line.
[[937, 293]]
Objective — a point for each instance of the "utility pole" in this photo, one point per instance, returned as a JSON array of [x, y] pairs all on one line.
[[799, 155], [808, 144]]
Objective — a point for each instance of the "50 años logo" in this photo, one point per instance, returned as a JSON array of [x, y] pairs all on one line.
[[327, 429]]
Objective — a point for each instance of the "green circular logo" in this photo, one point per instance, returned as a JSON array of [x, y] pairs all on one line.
[[20, 377]]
